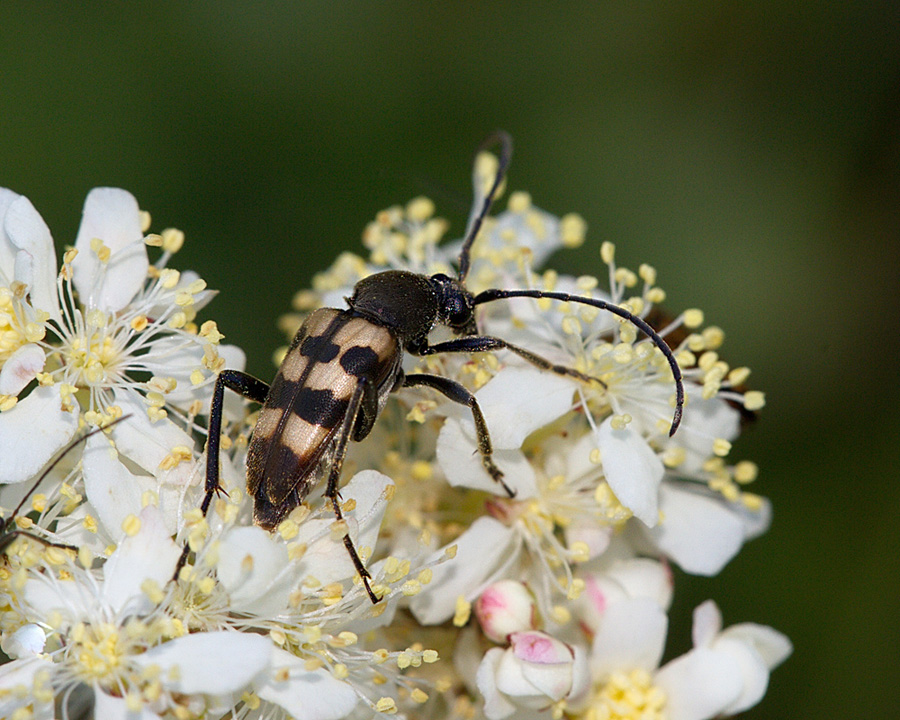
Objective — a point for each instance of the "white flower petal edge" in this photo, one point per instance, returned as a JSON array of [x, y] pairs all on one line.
[[149, 554], [517, 401], [32, 431], [18, 677], [116, 708], [213, 663], [632, 469], [698, 532], [306, 695], [458, 456], [699, 684], [632, 634], [480, 551], [35, 263], [112, 216], [250, 562], [21, 368], [111, 488]]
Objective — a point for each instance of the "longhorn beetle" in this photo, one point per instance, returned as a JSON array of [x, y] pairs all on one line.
[[342, 364], [7, 536]]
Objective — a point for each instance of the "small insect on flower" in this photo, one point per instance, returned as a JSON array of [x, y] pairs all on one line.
[[8, 530], [343, 364]]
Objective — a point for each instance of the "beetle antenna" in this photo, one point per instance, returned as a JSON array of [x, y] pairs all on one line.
[[497, 294], [60, 455], [477, 215]]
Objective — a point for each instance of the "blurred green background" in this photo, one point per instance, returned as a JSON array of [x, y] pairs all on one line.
[[751, 152]]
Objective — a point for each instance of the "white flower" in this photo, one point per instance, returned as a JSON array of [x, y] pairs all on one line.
[[91, 333], [109, 632], [534, 672], [724, 673]]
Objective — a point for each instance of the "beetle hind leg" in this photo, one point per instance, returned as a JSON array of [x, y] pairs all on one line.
[[362, 394]]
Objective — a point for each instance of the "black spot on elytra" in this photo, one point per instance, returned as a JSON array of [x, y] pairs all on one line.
[[359, 360], [319, 348], [278, 396], [320, 407]]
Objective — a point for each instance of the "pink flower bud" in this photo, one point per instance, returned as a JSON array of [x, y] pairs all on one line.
[[536, 671], [506, 607]]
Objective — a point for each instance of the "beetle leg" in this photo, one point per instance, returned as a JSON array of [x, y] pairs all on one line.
[[459, 394], [249, 387], [483, 343], [360, 394]]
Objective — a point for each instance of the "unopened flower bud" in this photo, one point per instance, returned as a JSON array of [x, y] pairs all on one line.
[[536, 671], [506, 607], [28, 641]]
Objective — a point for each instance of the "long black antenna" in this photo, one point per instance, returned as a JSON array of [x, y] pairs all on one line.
[[497, 294], [477, 216], [60, 455]]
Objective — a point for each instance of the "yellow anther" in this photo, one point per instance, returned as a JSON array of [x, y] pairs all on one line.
[[754, 400], [572, 230], [721, 447], [607, 252], [172, 240], [462, 612], [519, 202], [745, 472], [131, 525]]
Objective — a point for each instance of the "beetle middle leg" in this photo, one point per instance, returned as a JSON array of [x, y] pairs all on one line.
[[246, 385], [459, 394]]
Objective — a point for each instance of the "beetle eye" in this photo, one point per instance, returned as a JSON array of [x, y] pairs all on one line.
[[458, 313]]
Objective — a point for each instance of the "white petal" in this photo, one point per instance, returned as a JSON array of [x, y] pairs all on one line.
[[699, 685], [481, 551], [213, 663], [326, 558], [35, 263], [633, 470], [754, 673], [171, 356], [150, 554], [704, 421], [707, 623], [496, 706], [7, 249], [17, 683], [700, 533], [111, 215], [370, 490], [774, 647], [632, 634], [109, 707], [458, 456], [305, 695], [27, 641], [21, 368], [32, 431], [518, 401], [111, 488], [643, 577], [250, 561], [147, 443]]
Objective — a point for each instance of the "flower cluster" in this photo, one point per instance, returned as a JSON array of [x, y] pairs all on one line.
[[550, 603]]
